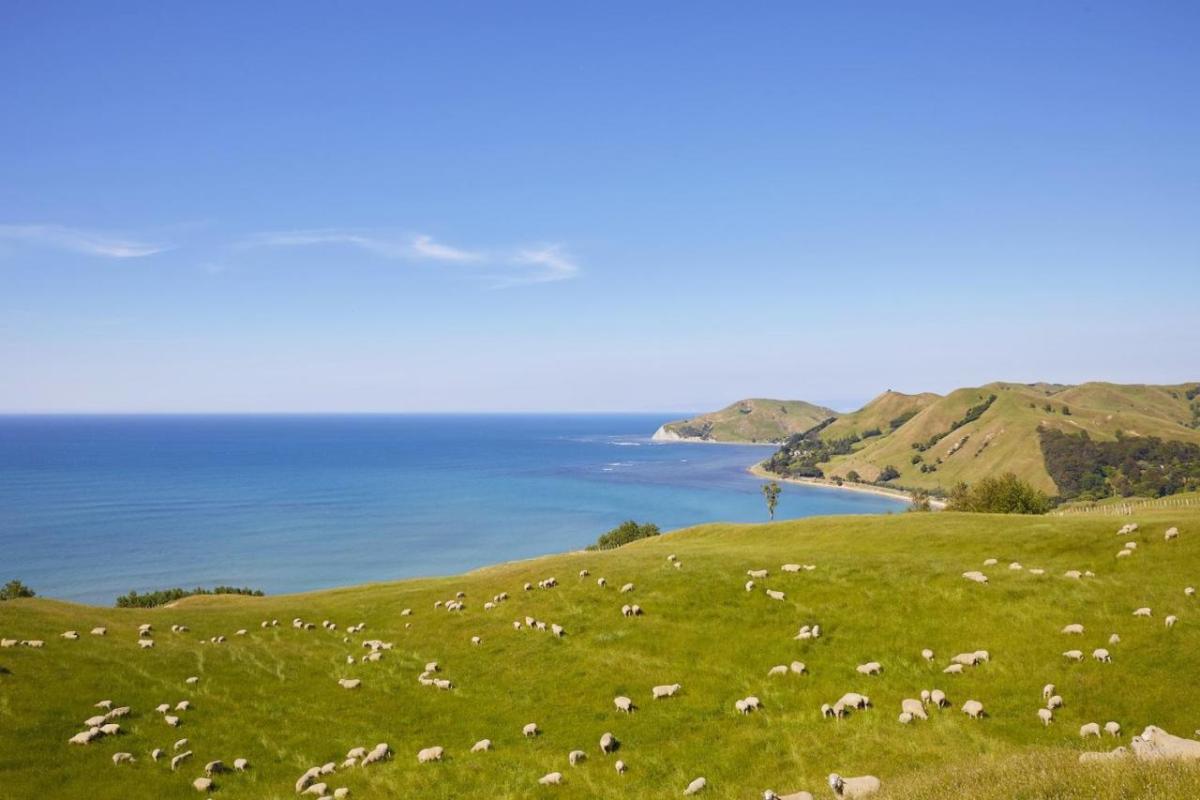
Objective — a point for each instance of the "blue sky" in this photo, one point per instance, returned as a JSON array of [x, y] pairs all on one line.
[[564, 206]]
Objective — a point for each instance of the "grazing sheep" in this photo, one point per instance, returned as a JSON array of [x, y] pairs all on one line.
[[1090, 729], [741, 707], [1172, 533], [770, 795], [798, 667], [1189, 591], [862, 786], [328, 768], [530, 730], [966, 659], [627, 588], [905, 718], [826, 710], [1101, 655], [1045, 715], [429, 754], [623, 704], [790, 568], [1142, 612], [953, 669], [122, 758], [192, 681], [482, 746], [667, 690], [100, 631], [976, 576], [179, 745], [627, 611], [213, 768], [70, 635], [914, 707], [162, 708], [1171, 620], [1054, 702], [635, 610], [110, 729], [84, 737], [1131, 545], [583, 573], [853, 700], [378, 753], [341, 793], [927, 654], [938, 698], [925, 696], [753, 703], [608, 743], [475, 640], [575, 757], [105, 704], [96, 721], [620, 767], [1155, 744], [157, 753], [696, 786], [601, 582], [516, 624], [117, 713], [145, 644], [749, 586], [317, 789], [1073, 655], [1126, 553], [775, 595], [990, 562], [184, 756], [757, 573], [1074, 574], [1074, 628], [870, 668], [183, 705], [1112, 755], [349, 683], [1114, 639], [171, 720], [551, 779], [1047, 691], [202, 784], [1112, 728], [973, 709], [780, 669], [1036, 571], [982, 656]]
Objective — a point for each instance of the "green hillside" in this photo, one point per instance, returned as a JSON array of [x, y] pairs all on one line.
[[882, 415], [883, 588], [751, 420], [946, 442]]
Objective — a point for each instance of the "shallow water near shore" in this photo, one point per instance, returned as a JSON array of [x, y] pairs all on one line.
[[92, 507]]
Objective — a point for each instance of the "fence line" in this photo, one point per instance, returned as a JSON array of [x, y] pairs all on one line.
[[1129, 507]]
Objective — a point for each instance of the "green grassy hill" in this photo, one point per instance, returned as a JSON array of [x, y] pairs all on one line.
[[1004, 438], [885, 413], [884, 587], [752, 420]]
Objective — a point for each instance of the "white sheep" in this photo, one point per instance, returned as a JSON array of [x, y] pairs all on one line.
[[696, 786], [1047, 691], [976, 576], [1142, 612], [583, 573], [202, 784], [483, 745], [953, 669], [1073, 655], [791, 568], [1115, 754], [862, 786], [623, 704], [145, 644], [530, 730], [575, 757], [914, 707], [1045, 715], [973, 709], [776, 595], [905, 718], [966, 659], [620, 767], [869, 668], [1171, 620], [1073, 628], [1114, 639], [429, 754], [757, 573], [1154, 744], [990, 562], [551, 779], [100, 631], [1090, 729], [608, 743], [1126, 553], [179, 759], [214, 768], [1102, 655], [1112, 728], [780, 669], [938, 698], [667, 690], [798, 667], [927, 654], [627, 588], [1054, 702], [601, 582], [749, 586], [1172, 533], [349, 683]]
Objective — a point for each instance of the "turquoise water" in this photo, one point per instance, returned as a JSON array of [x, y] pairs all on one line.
[[92, 507]]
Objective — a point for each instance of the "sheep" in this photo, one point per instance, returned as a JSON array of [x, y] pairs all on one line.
[[163, 708], [869, 668], [406, 612], [575, 757], [798, 667], [241, 764], [757, 573], [1189, 591], [826, 710], [623, 704], [583, 573], [790, 568], [105, 704], [1171, 620], [179, 759], [117, 713], [1036, 571], [1073, 628], [551, 779], [635, 610], [1126, 553], [328, 768], [100, 631], [192, 681], [776, 595], [667, 690], [1101, 655], [429, 754], [927, 654], [1172, 533], [349, 683], [157, 753], [1054, 702], [341, 793], [1073, 574], [925, 697], [780, 669], [627, 588], [1047, 691], [620, 767], [213, 768], [70, 635], [696, 786], [753, 703], [96, 721], [1142, 612], [1154, 744], [1112, 755], [914, 707], [749, 586], [1016, 566], [973, 709], [378, 753], [432, 666], [202, 784], [171, 720], [966, 659], [854, 700], [179, 745], [627, 610], [123, 758], [475, 640], [770, 795], [953, 669], [84, 737], [741, 707], [608, 743], [530, 730], [938, 698], [183, 705], [976, 576], [1114, 639], [1090, 729], [862, 786], [601, 582], [1045, 715], [990, 562], [482, 746], [442, 684], [1073, 655], [145, 644], [317, 789], [905, 718], [1131, 545], [1112, 728], [110, 729], [516, 624]]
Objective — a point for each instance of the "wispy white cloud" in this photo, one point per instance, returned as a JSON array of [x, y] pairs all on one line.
[[76, 240], [543, 264], [418, 247]]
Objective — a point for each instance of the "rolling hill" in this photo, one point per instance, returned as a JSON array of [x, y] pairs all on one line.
[[752, 420], [883, 588]]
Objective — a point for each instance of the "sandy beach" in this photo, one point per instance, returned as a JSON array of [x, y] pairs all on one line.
[[758, 471]]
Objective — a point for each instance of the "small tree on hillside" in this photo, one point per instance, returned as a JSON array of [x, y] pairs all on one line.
[[771, 492], [14, 589]]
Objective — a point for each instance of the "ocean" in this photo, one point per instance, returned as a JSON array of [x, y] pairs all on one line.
[[92, 507]]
